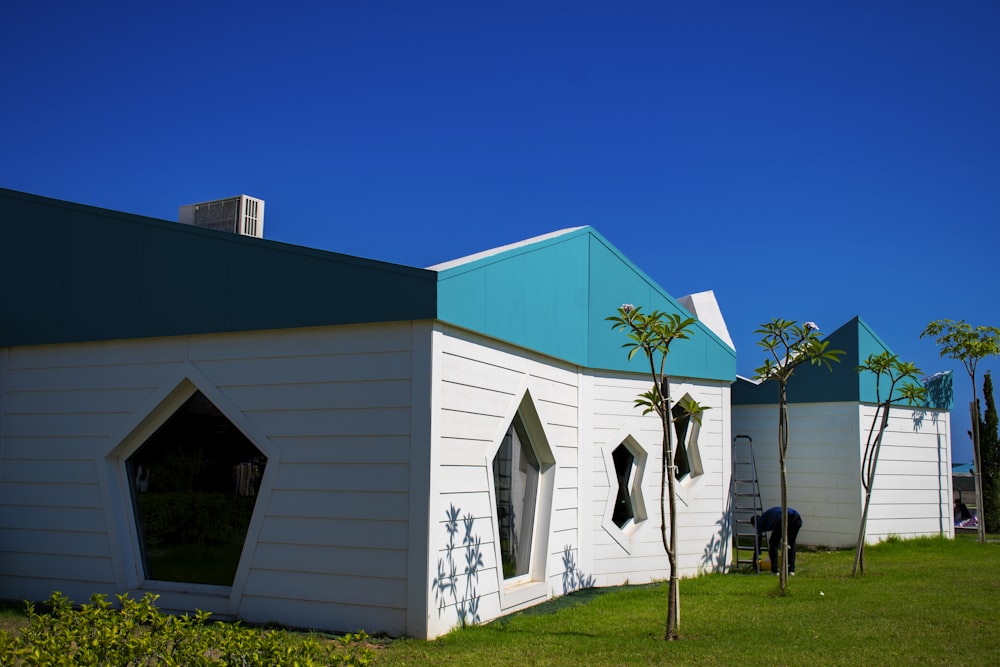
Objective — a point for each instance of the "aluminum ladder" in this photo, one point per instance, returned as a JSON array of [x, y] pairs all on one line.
[[746, 504]]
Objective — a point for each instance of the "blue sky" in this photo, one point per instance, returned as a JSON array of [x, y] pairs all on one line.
[[804, 160]]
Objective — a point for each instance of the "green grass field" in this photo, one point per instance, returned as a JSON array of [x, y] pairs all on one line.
[[926, 602], [921, 602]]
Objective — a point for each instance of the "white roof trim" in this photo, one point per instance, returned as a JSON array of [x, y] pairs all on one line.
[[444, 266], [705, 307]]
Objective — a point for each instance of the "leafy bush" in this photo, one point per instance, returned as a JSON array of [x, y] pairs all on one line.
[[138, 634]]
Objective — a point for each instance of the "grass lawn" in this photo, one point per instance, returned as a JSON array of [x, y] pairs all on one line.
[[922, 602], [927, 601]]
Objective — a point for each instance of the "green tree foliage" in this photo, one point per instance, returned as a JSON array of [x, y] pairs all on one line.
[[963, 342], [788, 345], [651, 335], [896, 371], [989, 446]]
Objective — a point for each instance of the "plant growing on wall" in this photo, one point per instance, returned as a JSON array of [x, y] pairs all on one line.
[[789, 345], [651, 335], [963, 342], [896, 371], [990, 446]]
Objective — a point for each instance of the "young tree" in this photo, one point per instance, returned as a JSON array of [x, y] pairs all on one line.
[[990, 449], [652, 336], [788, 346], [963, 342], [887, 364]]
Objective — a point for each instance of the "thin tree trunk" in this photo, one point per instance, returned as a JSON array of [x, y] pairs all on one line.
[[782, 449], [869, 483], [977, 467], [670, 545]]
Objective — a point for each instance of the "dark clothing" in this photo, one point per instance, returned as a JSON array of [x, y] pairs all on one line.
[[771, 521]]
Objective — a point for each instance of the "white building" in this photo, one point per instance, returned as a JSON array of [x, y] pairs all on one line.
[[282, 434], [830, 414]]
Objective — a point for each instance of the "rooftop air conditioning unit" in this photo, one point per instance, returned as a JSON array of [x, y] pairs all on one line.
[[238, 215]]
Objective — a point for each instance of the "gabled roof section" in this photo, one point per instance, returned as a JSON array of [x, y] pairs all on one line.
[[78, 273], [817, 384], [552, 294]]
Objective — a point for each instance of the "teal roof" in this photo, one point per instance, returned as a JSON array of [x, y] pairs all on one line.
[[817, 384], [552, 294], [75, 273]]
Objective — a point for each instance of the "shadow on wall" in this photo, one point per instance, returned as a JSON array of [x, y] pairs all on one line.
[[573, 578], [446, 583], [716, 553], [920, 415]]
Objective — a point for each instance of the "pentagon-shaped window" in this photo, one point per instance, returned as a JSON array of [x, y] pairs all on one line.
[[523, 470], [515, 479], [193, 485]]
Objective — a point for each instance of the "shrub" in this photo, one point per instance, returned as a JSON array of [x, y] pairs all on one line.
[[138, 634]]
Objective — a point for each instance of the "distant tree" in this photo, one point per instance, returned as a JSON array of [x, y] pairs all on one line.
[[788, 346], [963, 342], [652, 335], [989, 445], [896, 371]]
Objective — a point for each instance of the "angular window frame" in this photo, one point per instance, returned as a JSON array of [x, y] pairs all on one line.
[[686, 432], [625, 535], [199, 460], [531, 585], [119, 514]]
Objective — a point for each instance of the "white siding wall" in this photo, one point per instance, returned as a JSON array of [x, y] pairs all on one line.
[[331, 407], [826, 444], [479, 385], [823, 464], [703, 527], [912, 492]]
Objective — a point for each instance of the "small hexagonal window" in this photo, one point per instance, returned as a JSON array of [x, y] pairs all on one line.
[[687, 459], [193, 485], [625, 508], [624, 511]]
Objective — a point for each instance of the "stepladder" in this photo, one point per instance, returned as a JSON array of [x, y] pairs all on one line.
[[746, 505]]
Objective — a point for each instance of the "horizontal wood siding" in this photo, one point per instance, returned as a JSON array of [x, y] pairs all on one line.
[[331, 526], [826, 445], [479, 385], [823, 464], [58, 407], [703, 532], [912, 491]]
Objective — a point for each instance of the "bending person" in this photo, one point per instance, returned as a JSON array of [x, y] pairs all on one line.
[[770, 520]]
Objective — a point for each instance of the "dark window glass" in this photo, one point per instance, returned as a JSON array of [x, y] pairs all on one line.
[[194, 484], [681, 423], [624, 461], [515, 478]]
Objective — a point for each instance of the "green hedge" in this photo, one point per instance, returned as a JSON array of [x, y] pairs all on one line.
[[138, 634]]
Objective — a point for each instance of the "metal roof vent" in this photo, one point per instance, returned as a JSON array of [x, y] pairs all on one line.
[[238, 215]]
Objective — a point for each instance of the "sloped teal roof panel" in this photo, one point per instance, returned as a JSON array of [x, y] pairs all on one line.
[[79, 273], [535, 297], [553, 296], [841, 382]]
